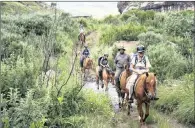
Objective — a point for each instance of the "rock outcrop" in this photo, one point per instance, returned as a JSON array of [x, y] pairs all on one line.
[[157, 6]]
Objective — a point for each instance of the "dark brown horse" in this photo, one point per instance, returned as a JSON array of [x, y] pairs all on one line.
[[144, 91], [123, 81], [107, 75], [82, 38]]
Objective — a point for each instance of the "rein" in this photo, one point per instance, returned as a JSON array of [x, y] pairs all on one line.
[[145, 90]]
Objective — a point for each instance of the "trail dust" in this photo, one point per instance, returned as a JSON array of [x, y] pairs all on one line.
[[121, 119]]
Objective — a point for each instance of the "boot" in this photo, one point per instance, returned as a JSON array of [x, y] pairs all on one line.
[[117, 86], [100, 75], [131, 99]]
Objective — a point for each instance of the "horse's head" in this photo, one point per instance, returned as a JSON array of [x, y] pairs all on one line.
[[112, 74], [89, 62], [127, 66], [150, 85]]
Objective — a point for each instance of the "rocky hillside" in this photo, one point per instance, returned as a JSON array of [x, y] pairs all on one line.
[[24, 7], [158, 6]]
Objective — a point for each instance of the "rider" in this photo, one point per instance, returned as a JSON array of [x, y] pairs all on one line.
[[81, 28], [120, 59], [103, 64], [84, 55], [139, 65]]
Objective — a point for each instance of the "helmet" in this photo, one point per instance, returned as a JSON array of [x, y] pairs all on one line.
[[140, 48], [121, 47], [106, 54]]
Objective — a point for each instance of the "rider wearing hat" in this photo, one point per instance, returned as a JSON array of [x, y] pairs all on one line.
[[84, 55], [103, 64], [120, 59], [139, 65]]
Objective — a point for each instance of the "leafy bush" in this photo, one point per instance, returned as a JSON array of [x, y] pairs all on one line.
[[140, 14], [166, 61], [150, 38], [179, 24], [112, 20], [128, 32], [184, 43], [180, 106]]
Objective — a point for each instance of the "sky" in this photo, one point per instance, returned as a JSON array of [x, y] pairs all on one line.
[[96, 9]]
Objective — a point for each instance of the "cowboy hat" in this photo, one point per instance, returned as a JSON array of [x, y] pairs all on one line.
[[121, 47]]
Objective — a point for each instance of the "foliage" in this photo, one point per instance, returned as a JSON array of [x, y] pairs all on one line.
[[166, 61], [112, 20], [184, 44], [127, 32], [150, 38], [179, 106], [179, 24], [140, 14]]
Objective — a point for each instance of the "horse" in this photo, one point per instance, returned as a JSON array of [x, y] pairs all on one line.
[[87, 64], [107, 75], [123, 81], [82, 38], [144, 91]]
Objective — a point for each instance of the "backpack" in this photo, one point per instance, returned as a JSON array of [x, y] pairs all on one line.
[[99, 59], [136, 59]]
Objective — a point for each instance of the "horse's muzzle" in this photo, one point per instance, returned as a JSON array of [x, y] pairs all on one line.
[[150, 96]]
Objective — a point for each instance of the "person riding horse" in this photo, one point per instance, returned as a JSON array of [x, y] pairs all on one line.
[[120, 60], [103, 63], [140, 64], [81, 29], [84, 55]]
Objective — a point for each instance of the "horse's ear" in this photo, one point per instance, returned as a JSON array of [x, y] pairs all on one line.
[[154, 74], [147, 74]]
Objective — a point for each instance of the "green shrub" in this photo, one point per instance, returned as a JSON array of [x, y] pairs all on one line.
[[166, 61], [150, 38], [179, 24], [112, 20], [127, 32], [185, 44], [180, 106], [142, 16]]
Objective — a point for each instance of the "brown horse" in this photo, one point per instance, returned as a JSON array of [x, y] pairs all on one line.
[[82, 38], [144, 91], [107, 76], [123, 81], [87, 64]]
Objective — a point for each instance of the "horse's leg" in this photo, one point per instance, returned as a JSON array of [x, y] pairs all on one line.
[[97, 82], [127, 92], [140, 110], [147, 106], [102, 82], [129, 107], [106, 85]]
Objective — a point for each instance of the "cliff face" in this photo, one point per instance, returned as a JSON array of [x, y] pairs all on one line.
[[122, 6], [158, 6]]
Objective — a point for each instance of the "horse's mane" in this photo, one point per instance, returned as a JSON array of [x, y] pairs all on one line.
[[142, 78]]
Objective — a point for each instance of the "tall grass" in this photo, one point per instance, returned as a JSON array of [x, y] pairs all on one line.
[[178, 100]]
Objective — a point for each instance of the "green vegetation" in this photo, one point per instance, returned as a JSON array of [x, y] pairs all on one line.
[[168, 41], [34, 44]]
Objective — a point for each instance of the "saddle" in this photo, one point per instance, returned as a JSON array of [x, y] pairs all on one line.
[[134, 85]]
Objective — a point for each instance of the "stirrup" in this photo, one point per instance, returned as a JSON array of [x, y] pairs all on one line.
[[130, 100]]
